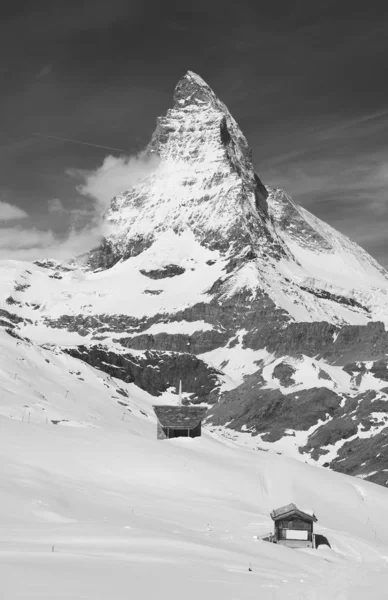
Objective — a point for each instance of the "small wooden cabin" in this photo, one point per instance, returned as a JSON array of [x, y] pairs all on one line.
[[179, 421], [293, 527]]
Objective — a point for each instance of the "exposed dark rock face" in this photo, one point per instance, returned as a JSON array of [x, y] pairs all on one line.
[[379, 369], [198, 343], [11, 300], [154, 372], [365, 457], [53, 265], [284, 373], [266, 326], [102, 257], [153, 292], [338, 419], [167, 271], [269, 412], [21, 287], [227, 318], [8, 319], [336, 297], [334, 344]]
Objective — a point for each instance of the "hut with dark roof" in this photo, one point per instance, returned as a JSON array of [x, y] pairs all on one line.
[[293, 527], [179, 421]]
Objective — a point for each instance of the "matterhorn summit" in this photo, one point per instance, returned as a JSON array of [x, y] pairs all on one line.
[[204, 184], [204, 181], [211, 278]]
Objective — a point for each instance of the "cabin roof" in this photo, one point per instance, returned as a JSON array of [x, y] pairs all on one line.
[[289, 510], [180, 417]]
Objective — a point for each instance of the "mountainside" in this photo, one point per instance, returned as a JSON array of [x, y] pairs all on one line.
[[266, 313], [94, 506]]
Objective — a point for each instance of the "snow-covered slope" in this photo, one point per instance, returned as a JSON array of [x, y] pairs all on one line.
[[93, 506], [327, 263]]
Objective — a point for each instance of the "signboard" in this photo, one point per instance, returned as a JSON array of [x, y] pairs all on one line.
[[296, 534]]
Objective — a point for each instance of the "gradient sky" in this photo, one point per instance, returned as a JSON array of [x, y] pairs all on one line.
[[305, 80]]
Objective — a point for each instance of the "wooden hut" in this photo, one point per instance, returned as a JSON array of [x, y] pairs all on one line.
[[293, 527], [179, 421]]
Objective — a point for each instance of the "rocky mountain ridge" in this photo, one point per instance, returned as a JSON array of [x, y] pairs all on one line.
[[266, 313]]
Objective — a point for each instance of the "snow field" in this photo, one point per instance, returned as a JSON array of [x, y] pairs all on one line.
[[110, 512]]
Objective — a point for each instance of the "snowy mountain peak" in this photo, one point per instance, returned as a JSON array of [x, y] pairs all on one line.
[[204, 181], [205, 189], [192, 89], [200, 129]]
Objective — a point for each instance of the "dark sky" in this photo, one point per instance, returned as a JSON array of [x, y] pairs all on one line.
[[306, 81]]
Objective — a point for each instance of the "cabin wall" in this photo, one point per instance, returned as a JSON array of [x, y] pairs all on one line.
[[291, 531], [164, 433], [196, 432], [161, 432], [175, 432]]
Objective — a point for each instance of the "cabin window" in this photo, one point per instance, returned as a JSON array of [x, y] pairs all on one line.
[[175, 432]]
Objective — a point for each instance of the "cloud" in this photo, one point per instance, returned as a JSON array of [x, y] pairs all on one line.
[[99, 186], [365, 177], [55, 206], [10, 212], [21, 239], [115, 176], [18, 243]]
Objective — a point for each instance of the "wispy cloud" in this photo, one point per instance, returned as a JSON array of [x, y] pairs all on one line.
[[115, 176], [10, 212], [19, 243], [20, 238], [86, 225], [359, 121], [55, 206]]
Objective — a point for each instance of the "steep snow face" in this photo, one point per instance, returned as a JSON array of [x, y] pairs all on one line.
[[327, 263]]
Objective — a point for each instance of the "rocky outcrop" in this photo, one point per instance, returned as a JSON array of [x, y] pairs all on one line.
[[167, 271], [272, 413], [364, 457], [154, 372], [284, 374], [348, 433], [8, 319], [335, 297], [338, 345], [197, 343]]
